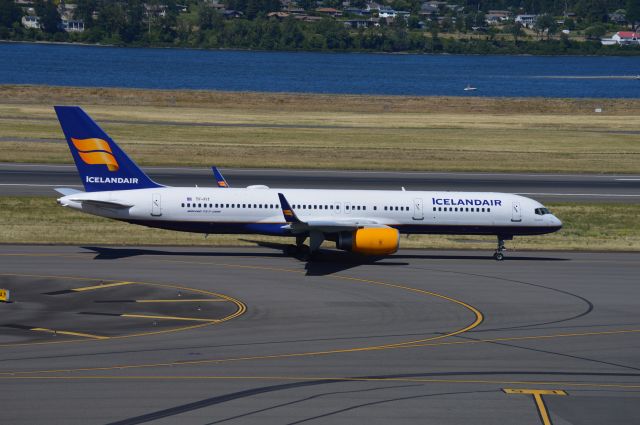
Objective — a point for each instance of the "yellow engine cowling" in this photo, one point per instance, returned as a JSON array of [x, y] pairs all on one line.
[[370, 241]]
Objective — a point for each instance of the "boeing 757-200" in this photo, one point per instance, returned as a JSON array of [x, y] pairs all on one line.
[[367, 222]]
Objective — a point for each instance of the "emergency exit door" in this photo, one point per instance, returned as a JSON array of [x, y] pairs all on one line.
[[156, 206], [516, 212], [418, 210]]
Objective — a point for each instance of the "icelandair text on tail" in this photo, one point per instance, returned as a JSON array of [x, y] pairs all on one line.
[[91, 179]]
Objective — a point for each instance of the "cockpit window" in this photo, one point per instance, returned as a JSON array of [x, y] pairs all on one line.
[[542, 211]]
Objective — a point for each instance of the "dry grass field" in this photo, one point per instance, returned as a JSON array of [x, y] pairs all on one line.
[[327, 131], [597, 227]]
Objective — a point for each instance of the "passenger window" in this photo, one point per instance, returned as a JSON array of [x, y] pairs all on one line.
[[488, 209], [182, 205], [439, 208], [483, 210]]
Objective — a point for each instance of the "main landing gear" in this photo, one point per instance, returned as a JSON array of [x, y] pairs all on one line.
[[299, 250], [499, 254]]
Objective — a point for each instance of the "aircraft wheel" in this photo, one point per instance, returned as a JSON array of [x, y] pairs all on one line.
[[290, 250], [498, 256]]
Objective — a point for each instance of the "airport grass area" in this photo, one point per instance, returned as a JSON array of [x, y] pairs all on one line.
[[588, 227], [266, 130]]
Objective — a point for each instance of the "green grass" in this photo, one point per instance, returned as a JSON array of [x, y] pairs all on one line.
[[597, 227], [333, 132]]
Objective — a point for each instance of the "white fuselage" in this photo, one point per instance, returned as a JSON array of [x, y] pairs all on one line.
[[257, 210]]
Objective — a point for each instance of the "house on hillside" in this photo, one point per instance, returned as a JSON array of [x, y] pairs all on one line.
[[526, 20], [329, 11], [497, 17], [386, 12], [625, 38], [622, 38], [31, 22], [428, 10]]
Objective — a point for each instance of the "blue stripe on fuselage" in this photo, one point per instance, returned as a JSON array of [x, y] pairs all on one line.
[[276, 229]]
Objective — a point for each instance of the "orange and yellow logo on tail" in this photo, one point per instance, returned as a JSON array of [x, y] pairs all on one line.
[[96, 151], [288, 213], [222, 184]]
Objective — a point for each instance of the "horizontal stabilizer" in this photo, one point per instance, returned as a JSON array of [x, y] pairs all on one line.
[[66, 191], [102, 204]]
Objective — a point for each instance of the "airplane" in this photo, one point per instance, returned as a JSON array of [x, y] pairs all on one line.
[[367, 222]]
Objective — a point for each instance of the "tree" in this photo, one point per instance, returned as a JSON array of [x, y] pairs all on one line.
[[633, 13], [84, 11], [9, 13], [515, 29], [112, 20], [595, 32], [546, 23], [569, 24], [49, 17], [133, 29], [205, 17], [593, 10]]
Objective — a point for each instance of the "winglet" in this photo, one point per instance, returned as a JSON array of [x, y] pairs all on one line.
[[287, 211], [222, 182]]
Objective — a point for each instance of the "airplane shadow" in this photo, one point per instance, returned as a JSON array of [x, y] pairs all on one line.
[[105, 253], [323, 262]]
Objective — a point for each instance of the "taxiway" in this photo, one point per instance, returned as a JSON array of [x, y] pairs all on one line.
[[40, 179], [418, 337]]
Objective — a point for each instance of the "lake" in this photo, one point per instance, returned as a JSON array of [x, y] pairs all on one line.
[[302, 72]]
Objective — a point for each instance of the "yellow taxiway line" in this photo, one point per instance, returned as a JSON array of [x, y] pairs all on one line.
[[537, 396], [184, 301], [148, 316], [106, 285], [55, 331]]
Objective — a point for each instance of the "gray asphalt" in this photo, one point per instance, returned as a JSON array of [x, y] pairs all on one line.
[[338, 340], [39, 180]]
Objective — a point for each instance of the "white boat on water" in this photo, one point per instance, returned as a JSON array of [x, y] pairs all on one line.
[[470, 88]]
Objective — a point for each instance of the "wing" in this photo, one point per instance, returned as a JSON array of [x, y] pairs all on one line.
[[327, 225]]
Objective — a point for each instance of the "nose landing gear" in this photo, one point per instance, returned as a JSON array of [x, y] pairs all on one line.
[[499, 254]]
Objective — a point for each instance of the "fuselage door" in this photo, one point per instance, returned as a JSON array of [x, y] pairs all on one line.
[[418, 210], [156, 206], [347, 207], [336, 208], [516, 212]]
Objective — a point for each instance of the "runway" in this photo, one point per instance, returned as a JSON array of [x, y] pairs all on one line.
[[169, 335], [40, 179]]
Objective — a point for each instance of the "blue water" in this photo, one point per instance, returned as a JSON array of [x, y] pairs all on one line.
[[354, 73]]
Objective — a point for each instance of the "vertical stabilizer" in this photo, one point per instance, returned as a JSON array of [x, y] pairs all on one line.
[[100, 161]]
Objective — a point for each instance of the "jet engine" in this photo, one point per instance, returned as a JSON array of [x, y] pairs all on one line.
[[370, 241]]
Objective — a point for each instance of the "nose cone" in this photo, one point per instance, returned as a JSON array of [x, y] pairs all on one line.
[[555, 223]]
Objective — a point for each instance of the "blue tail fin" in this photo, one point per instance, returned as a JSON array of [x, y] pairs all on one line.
[[100, 161], [220, 180]]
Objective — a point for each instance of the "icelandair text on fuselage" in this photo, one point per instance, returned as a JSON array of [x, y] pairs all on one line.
[[467, 202], [131, 180]]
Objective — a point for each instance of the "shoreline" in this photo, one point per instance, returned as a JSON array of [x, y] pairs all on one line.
[[629, 53]]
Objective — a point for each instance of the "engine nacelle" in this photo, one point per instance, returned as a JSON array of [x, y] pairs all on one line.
[[370, 241]]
